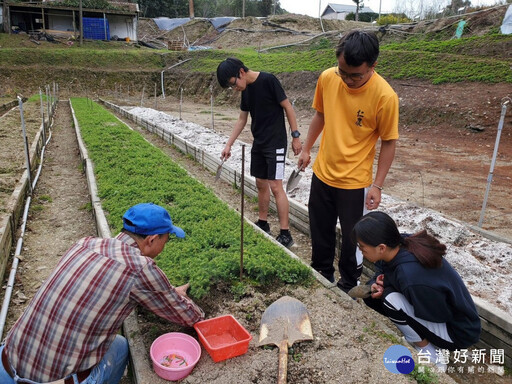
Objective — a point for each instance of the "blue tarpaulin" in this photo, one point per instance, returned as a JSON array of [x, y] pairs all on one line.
[[167, 24]]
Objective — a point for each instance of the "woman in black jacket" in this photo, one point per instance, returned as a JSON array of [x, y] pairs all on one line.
[[416, 287]]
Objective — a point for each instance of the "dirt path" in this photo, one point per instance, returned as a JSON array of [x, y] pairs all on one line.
[[59, 215]]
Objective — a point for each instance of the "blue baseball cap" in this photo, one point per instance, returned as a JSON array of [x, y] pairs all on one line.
[[150, 219]]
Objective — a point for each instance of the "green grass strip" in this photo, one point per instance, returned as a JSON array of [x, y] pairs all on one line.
[[103, 59], [452, 60], [443, 68], [467, 45], [437, 67], [129, 170]]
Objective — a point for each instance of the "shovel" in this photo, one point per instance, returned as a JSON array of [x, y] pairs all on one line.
[[360, 291], [219, 170], [293, 180], [284, 322]]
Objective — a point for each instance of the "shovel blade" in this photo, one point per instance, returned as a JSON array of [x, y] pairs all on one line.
[[360, 292], [219, 171], [293, 180], [286, 319]]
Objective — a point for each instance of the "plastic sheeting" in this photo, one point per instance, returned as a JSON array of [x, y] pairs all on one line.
[[167, 24], [198, 48], [506, 27], [220, 23], [460, 29]]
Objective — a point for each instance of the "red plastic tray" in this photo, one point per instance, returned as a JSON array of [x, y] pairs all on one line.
[[223, 337]]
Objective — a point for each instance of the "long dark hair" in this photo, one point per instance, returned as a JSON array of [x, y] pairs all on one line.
[[377, 228]]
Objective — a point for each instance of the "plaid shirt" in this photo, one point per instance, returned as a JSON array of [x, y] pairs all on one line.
[[75, 315]]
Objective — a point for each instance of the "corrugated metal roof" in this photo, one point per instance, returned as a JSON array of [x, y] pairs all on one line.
[[344, 8]]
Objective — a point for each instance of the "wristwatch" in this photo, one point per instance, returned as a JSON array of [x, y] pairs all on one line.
[[295, 134]]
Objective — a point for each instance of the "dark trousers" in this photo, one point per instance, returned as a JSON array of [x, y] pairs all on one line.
[[326, 205]]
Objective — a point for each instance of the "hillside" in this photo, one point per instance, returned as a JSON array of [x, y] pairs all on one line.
[[98, 67]]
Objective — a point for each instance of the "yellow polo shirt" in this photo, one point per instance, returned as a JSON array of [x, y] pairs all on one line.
[[354, 121]]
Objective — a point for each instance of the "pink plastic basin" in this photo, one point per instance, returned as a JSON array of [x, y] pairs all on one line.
[[174, 355]]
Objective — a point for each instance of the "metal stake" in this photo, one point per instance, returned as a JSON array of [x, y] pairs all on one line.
[[25, 141], [48, 106], [211, 105], [162, 82], [242, 215], [42, 114], [493, 162], [156, 105], [142, 97], [181, 100]]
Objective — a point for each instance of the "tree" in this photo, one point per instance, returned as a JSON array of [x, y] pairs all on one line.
[[358, 5], [456, 4], [265, 7], [366, 17], [209, 8], [152, 8], [205, 8]]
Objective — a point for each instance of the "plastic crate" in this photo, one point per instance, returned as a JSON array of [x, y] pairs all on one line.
[[223, 337], [94, 28]]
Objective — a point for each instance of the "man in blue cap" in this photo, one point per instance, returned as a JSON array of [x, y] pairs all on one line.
[[69, 332]]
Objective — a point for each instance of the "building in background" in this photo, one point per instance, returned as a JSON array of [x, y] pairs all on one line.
[[1, 15], [340, 11], [118, 21]]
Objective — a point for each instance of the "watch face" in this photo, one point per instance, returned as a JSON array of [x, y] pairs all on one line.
[[295, 134]]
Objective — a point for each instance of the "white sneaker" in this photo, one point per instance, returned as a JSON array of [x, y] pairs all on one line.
[[441, 367], [432, 351]]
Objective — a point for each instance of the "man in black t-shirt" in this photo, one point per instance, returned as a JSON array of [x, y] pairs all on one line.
[[264, 98]]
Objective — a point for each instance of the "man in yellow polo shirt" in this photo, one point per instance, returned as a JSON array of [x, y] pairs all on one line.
[[354, 107]]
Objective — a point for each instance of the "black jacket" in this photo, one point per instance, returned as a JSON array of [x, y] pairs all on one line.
[[438, 295]]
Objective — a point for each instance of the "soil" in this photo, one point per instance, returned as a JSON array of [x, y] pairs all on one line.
[[224, 118], [359, 343], [448, 134], [484, 265], [251, 31], [447, 137]]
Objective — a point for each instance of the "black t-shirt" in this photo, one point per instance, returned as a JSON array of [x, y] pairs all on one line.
[[262, 100]]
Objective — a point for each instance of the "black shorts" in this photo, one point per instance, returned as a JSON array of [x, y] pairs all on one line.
[[268, 164]]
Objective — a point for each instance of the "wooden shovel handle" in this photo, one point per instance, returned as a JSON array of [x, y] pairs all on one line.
[[283, 362]]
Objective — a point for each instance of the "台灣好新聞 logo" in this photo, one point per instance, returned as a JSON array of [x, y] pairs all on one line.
[[398, 359]]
